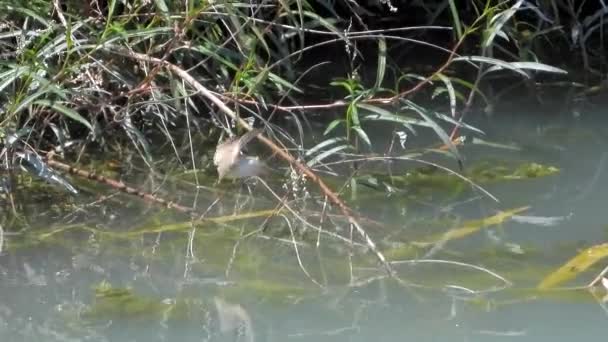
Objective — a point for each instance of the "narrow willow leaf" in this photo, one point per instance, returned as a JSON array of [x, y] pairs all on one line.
[[361, 133], [353, 189], [217, 54], [332, 125], [381, 62], [323, 144], [478, 141], [33, 15], [279, 80], [500, 64], [451, 92], [499, 21], [353, 114], [575, 266], [535, 66], [381, 114], [162, 7], [70, 113], [456, 18], [326, 154], [457, 123], [438, 130], [111, 7], [440, 90], [327, 24], [8, 77], [45, 88], [148, 33], [471, 87]]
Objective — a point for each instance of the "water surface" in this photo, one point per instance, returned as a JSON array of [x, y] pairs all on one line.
[[98, 279]]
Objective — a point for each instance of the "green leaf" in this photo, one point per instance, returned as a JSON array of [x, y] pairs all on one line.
[[326, 154], [438, 130], [361, 133], [500, 64], [8, 77], [451, 92], [162, 7], [65, 111], [332, 125], [384, 115], [456, 18], [322, 144], [533, 66], [353, 114], [499, 21], [381, 62]]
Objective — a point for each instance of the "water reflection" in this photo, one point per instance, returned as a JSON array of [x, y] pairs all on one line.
[[129, 280]]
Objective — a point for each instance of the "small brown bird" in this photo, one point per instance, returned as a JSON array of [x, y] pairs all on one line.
[[231, 163]]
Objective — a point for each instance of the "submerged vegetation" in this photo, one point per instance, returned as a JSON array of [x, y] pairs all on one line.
[[106, 105]]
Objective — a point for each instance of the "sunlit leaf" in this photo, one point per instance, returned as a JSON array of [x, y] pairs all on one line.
[[499, 21], [457, 122], [279, 80], [497, 63], [456, 18], [326, 154], [162, 7], [438, 130], [381, 114], [361, 133], [323, 144], [478, 141], [451, 92], [332, 125], [575, 266], [325, 23], [8, 77], [533, 66], [353, 114], [381, 63]]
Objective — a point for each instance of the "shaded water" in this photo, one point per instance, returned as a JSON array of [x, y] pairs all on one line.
[[98, 279]]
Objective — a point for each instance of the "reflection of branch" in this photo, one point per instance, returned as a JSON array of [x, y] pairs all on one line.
[[118, 185]]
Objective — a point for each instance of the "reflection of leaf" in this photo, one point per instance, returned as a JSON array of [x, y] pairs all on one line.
[[473, 226], [574, 266]]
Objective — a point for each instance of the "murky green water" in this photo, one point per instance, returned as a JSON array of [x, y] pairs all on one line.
[[119, 270]]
